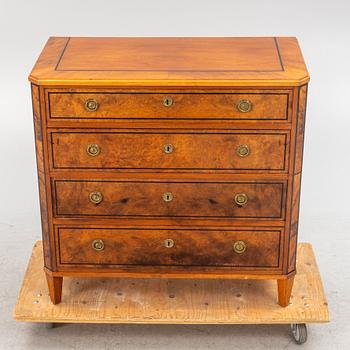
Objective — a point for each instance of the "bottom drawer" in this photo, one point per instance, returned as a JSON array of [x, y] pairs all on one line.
[[239, 248]]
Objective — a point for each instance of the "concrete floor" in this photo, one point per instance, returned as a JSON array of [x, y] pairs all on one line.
[[333, 261]]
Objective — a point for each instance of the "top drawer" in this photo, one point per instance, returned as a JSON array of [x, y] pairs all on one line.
[[241, 106]]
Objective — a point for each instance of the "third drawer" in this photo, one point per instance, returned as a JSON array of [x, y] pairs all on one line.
[[264, 200]]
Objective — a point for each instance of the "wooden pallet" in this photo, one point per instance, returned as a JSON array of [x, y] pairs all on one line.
[[102, 300]]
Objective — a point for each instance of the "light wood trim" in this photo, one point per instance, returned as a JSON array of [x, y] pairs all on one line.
[[165, 301]]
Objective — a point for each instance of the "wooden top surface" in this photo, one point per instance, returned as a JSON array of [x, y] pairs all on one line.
[[261, 61], [117, 300]]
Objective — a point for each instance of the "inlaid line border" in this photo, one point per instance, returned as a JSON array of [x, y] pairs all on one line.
[[279, 231], [282, 213], [280, 60]]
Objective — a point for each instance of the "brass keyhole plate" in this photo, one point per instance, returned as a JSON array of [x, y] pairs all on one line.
[[168, 197], [168, 148], [169, 243], [167, 101]]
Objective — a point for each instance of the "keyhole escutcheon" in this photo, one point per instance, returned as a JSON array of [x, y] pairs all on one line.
[[168, 148], [167, 197], [169, 243], [167, 101]]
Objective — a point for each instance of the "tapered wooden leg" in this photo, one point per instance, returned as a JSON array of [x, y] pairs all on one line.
[[55, 288], [284, 291]]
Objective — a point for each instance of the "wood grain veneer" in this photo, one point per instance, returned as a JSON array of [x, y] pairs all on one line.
[[267, 106], [206, 98], [267, 151]]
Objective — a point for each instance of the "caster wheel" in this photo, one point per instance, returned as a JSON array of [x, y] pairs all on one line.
[[299, 332], [50, 325]]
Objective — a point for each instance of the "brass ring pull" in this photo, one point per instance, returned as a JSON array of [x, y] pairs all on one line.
[[244, 106], [239, 247], [242, 151], [241, 199], [93, 150], [167, 101], [168, 148], [169, 243], [98, 245], [167, 197], [91, 105], [95, 197]]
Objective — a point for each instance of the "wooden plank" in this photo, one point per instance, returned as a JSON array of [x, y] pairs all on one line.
[[109, 300]]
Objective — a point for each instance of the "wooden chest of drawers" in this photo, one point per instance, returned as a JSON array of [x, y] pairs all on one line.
[[170, 157]]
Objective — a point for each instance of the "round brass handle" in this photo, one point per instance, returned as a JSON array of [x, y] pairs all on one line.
[[244, 106], [167, 197], [167, 101], [239, 247], [169, 243], [241, 199], [242, 151], [98, 245], [93, 150], [91, 105], [96, 197], [168, 148]]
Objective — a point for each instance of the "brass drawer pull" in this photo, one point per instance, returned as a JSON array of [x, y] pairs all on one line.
[[242, 151], [239, 247], [91, 105], [93, 150], [95, 197], [168, 148], [167, 101], [169, 243], [168, 197], [244, 106], [98, 245], [241, 199]]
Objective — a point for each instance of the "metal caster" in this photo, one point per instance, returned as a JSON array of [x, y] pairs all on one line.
[[50, 325], [299, 332]]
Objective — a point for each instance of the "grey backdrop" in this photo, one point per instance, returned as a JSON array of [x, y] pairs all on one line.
[[323, 30]]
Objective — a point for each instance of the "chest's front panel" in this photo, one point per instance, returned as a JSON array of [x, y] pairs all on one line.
[[187, 173]]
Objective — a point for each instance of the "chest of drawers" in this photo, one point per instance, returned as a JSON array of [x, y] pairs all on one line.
[[169, 157]]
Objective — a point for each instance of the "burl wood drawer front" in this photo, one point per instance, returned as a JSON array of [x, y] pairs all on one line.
[[168, 247], [257, 105], [171, 199], [231, 151]]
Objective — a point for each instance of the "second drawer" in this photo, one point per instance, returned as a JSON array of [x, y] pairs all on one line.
[[228, 151], [170, 199]]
